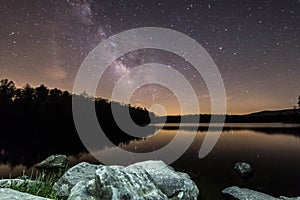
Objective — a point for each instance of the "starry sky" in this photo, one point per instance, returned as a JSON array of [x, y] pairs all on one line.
[[254, 43]]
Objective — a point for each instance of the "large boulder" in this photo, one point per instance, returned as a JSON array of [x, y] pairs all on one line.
[[80, 192], [247, 194], [115, 182], [243, 168], [9, 194], [80, 172], [54, 162], [173, 184], [145, 180]]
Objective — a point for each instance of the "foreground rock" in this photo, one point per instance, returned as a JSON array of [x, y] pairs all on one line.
[[287, 198], [246, 194], [54, 162], [9, 194], [7, 183], [81, 172], [115, 182], [145, 180], [168, 180], [243, 168]]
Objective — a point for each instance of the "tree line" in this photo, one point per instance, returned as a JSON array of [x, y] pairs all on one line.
[[37, 122]]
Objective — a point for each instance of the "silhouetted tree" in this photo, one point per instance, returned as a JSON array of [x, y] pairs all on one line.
[[66, 98], [7, 89], [28, 94], [55, 96], [18, 96], [55, 93], [41, 93], [43, 118]]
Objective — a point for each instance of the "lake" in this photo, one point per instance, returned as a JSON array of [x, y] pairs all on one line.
[[272, 149]]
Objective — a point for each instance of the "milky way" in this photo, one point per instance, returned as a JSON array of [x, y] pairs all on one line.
[[255, 44]]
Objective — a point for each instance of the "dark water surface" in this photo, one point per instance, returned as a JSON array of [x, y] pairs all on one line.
[[272, 149]]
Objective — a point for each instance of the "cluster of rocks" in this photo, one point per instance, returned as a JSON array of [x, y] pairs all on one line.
[[152, 180], [144, 180], [245, 169]]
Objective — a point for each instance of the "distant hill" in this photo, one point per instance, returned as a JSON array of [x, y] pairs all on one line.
[[277, 116], [285, 112]]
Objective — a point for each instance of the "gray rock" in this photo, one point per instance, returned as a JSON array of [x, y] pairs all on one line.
[[91, 187], [80, 172], [115, 182], [145, 180], [9, 194], [79, 192], [243, 168], [24, 177], [246, 194], [53, 162], [173, 184], [289, 198], [7, 183]]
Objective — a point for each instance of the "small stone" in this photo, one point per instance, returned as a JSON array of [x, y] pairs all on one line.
[[243, 168], [53, 162], [289, 198], [247, 194]]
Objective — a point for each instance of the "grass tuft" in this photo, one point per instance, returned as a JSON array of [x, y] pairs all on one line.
[[41, 186]]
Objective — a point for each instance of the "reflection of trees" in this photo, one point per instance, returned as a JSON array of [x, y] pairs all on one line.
[[294, 131], [37, 122]]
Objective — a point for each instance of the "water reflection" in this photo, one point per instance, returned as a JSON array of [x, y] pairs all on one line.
[[274, 153], [11, 171], [273, 149]]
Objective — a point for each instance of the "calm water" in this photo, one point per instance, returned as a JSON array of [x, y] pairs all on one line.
[[272, 149]]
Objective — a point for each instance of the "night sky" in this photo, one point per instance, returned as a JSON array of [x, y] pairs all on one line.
[[254, 43]]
